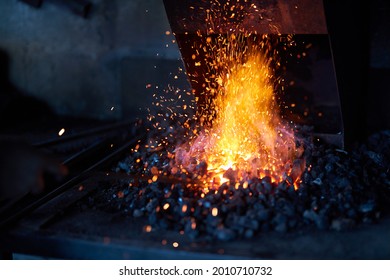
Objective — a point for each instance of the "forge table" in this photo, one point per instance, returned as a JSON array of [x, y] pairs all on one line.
[[58, 229]]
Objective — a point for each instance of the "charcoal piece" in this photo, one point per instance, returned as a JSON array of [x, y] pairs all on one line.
[[262, 197], [317, 182], [249, 234], [289, 180], [231, 220], [280, 203], [241, 222], [302, 192], [368, 220], [201, 168], [152, 218], [266, 179], [252, 224], [267, 186], [231, 175], [329, 167], [299, 151], [238, 204], [155, 188], [256, 188], [225, 208], [177, 191], [162, 223], [119, 206], [288, 209], [282, 186], [320, 220], [192, 234], [292, 222], [232, 191], [225, 234], [280, 223], [292, 193], [376, 158], [213, 221], [265, 227], [297, 169], [206, 204], [367, 207], [352, 213], [223, 188], [123, 166], [151, 206], [309, 215], [342, 183], [342, 224], [250, 200], [138, 213]]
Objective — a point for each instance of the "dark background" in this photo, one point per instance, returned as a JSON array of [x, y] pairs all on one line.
[[359, 34]]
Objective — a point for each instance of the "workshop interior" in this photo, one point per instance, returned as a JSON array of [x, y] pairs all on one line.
[[179, 129]]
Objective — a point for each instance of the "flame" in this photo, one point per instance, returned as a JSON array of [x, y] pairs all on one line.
[[247, 137], [243, 127], [239, 134]]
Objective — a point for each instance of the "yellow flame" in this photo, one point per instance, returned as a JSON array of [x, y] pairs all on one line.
[[246, 133], [238, 132], [244, 124]]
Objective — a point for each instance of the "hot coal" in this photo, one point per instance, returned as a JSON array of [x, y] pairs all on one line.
[[339, 191]]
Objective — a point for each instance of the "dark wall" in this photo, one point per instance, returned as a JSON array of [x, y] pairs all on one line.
[[81, 66], [360, 43]]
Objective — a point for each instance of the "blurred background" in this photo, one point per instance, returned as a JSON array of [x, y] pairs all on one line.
[[97, 60]]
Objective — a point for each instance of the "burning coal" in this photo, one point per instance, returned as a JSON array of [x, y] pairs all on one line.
[[246, 135]]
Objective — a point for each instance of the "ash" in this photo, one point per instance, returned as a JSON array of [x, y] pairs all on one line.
[[340, 190]]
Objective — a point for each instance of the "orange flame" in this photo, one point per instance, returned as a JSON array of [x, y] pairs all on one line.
[[247, 135]]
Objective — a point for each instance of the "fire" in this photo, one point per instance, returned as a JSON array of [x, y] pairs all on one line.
[[239, 133], [247, 137], [243, 127]]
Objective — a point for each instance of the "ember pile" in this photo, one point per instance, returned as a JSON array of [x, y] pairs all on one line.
[[339, 191]]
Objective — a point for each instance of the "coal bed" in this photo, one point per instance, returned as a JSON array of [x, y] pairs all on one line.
[[338, 191]]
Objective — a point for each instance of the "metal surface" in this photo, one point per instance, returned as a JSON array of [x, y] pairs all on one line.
[[99, 154], [273, 17], [308, 94]]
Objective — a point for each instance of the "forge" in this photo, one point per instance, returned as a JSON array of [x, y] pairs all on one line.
[[250, 159]]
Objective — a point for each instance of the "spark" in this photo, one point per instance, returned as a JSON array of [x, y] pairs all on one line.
[[148, 228], [61, 132]]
